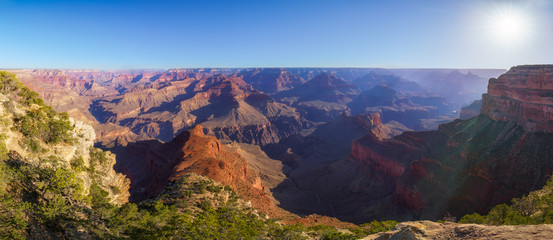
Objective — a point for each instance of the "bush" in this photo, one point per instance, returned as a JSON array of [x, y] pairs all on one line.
[[45, 124], [97, 158], [376, 226], [13, 224], [32, 144], [99, 196], [28, 97], [77, 164], [3, 148], [8, 83]]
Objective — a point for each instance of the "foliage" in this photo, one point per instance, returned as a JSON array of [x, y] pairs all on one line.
[[535, 208], [97, 158], [8, 82], [32, 144], [28, 97], [290, 232], [41, 121], [43, 192], [10, 85], [3, 148], [376, 226], [99, 196], [45, 124], [13, 222], [77, 164]]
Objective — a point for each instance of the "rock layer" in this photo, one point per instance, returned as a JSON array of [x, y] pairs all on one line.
[[523, 95], [151, 165]]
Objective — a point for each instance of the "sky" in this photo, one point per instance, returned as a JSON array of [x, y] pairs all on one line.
[[103, 34]]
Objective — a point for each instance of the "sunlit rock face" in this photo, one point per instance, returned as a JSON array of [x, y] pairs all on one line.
[[151, 165], [523, 95]]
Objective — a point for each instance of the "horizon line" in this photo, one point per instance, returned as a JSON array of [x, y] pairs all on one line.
[[244, 68]]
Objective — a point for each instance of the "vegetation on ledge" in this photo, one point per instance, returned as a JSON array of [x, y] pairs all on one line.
[[535, 208]]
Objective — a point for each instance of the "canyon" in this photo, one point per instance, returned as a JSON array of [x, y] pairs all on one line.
[[334, 146], [462, 167], [130, 105], [287, 139]]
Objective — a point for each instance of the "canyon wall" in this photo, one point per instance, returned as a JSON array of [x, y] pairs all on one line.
[[523, 95]]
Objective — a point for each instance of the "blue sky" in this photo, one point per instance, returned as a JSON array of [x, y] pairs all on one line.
[[269, 33]]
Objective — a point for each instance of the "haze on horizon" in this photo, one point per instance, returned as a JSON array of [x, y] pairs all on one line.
[[186, 34]]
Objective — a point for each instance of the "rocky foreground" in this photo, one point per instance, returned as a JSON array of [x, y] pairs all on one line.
[[431, 230]]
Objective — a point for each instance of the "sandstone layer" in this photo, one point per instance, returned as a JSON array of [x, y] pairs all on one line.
[[523, 95]]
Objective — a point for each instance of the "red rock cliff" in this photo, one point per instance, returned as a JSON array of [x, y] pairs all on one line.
[[151, 165], [523, 95]]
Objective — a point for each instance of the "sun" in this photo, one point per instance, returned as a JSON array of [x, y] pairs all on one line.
[[510, 26]]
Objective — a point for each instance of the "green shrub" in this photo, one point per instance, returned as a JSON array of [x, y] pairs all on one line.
[[77, 163], [291, 232], [3, 148], [99, 196], [97, 158], [28, 97], [8, 82], [473, 218], [13, 220], [32, 144], [376, 226], [45, 124]]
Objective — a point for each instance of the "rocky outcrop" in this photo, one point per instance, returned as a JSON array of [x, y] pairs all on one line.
[[422, 230], [65, 153], [151, 165], [522, 95]]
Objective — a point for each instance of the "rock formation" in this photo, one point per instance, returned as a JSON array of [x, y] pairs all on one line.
[[124, 106], [322, 98], [226, 106], [35, 152], [522, 95], [271, 80], [465, 166], [151, 165]]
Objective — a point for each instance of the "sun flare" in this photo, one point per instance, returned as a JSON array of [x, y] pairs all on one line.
[[510, 26]]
